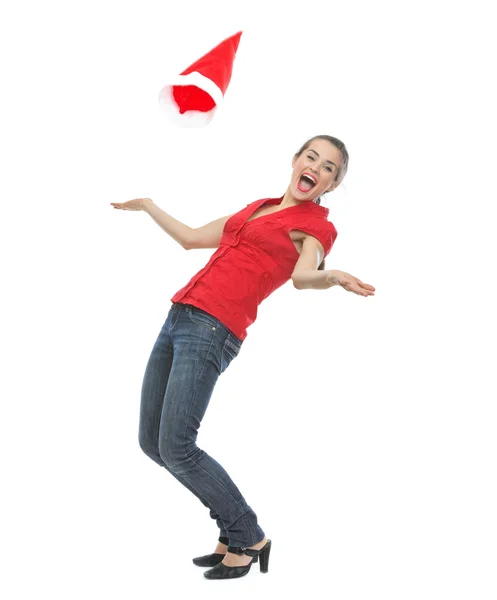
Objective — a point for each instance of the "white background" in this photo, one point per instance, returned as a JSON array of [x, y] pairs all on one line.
[[361, 430]]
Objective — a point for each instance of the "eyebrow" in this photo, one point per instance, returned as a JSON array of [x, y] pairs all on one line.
[[329, 161]]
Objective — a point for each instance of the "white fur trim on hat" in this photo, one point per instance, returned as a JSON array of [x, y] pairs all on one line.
[[190, 118]]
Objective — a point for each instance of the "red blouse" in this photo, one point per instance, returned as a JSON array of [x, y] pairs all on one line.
[[254, 258]]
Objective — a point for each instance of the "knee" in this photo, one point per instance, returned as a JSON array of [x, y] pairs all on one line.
[[149, 448], [173, 455], [167, 453]]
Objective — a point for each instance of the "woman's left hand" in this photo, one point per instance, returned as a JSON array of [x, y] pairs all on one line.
[[352, 284]]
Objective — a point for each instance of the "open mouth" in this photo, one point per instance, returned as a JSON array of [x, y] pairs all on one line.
[[306, 183]]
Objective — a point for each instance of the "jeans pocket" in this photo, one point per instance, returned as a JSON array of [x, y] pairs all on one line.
[[230, 351], [204, 319]]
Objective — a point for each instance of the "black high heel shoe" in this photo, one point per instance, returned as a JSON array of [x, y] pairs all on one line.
[[211, 560], [221, 571]]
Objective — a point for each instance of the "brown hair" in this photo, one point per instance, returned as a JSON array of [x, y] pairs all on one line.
[[342, 169]]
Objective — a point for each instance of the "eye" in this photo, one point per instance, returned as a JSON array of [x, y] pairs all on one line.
[[311, 157], [329, 169]]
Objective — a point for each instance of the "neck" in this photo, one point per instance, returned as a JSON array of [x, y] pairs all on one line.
[[290, 200]]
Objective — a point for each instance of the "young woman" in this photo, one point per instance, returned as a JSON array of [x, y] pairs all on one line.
[[259, 249]]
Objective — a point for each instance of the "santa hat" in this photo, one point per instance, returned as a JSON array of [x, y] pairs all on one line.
[[191, 98]]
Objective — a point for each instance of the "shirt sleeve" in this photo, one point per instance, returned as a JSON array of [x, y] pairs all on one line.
[[323, 230]]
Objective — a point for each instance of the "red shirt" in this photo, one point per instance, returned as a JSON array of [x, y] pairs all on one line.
[[254, 258]]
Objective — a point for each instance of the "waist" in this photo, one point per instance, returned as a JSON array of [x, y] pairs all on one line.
[[191, 308]]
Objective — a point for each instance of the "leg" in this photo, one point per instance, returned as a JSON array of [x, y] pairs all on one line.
[[202, 350], [152, 398]]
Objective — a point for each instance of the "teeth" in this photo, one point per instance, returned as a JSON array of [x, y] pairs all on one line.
[[309, 177]]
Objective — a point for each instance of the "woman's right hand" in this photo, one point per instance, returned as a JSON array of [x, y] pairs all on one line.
[[351, 283], [137, 204]]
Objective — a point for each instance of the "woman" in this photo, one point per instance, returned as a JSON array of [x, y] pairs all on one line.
[[258, 249]]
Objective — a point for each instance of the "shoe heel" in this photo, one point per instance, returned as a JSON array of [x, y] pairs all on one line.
[[264, 562]]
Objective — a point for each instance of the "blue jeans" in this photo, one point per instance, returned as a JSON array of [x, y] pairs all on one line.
[[192, 350]]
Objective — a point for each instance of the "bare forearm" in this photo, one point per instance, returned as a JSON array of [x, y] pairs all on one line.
[[180, 232], [315, 280]]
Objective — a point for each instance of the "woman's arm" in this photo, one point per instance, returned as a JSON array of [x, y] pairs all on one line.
[[180, 232], [312, 279], [305, 273], [306, 276], [322, 280], [208, 236]]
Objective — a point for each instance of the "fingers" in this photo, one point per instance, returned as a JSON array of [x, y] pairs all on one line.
[[135, 204], [364, 290], [362, 293], [366, 293], [366, 286]]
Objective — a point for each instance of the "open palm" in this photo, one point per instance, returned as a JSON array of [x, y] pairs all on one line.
[[353, 284]]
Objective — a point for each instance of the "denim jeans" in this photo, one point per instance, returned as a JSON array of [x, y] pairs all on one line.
[[192, 350]]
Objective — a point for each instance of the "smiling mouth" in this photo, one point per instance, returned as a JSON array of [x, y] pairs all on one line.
[[305, 183]]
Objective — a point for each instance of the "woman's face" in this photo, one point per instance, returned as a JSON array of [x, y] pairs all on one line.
[[318, 163]]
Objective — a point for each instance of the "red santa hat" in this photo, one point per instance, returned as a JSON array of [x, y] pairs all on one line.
[[191, 98]]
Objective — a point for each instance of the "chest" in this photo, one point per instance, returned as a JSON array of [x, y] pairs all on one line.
[[296, 235]]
